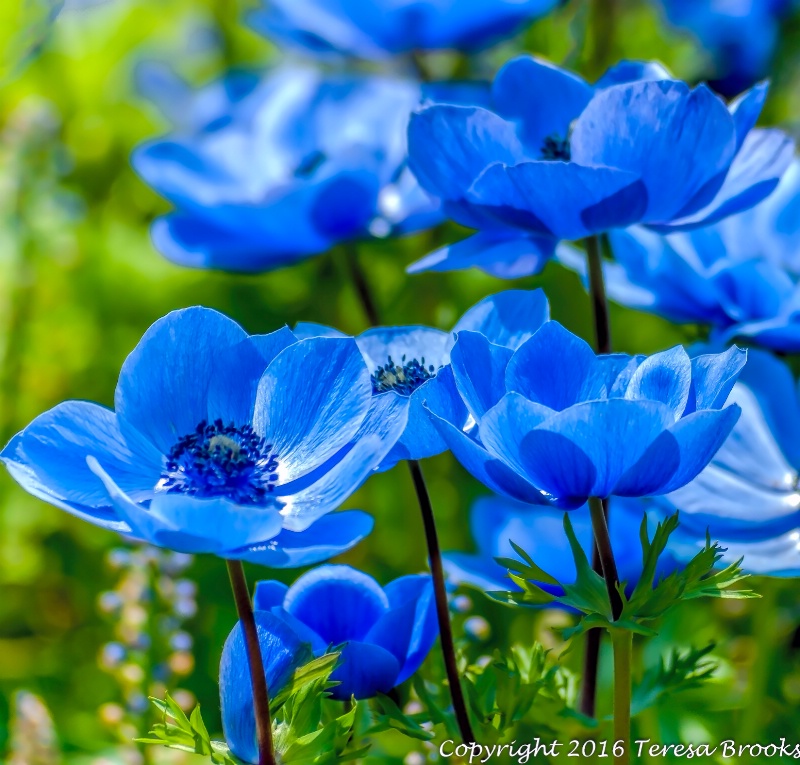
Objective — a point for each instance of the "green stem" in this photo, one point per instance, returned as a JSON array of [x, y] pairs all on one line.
[[765, 618], [597, 292], [622, 643], [606, 554], [255, 661]]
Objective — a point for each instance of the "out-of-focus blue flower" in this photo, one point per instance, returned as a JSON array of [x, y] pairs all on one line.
[[740, 276], [496, 522], [282, 652], [266, 171], [556, 158], [749, 495], [220, 442], [384, 634], [375, 29], [552, 423], [740, 36], [405, 359]]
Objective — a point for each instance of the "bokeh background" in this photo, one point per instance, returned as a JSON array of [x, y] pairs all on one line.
[[80, 282]]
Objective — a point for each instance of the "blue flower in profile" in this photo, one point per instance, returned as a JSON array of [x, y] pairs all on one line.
[[404, 360], [495, 522], [282, 652], [740, 37], [556, 158], [375, 29], [749, 495], [552, 423], [739, 277], [383, 633], [266, 171], [219, 442]]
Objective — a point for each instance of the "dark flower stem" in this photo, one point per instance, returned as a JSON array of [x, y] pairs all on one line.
[[597, 291], [431, 535], [442, 608], [609, 565], [361, 284], [602, 328], [258, 677]]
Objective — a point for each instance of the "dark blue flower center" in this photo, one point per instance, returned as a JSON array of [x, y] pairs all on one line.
[[403, 378], [556, 148], [310, 164], [219, 460]]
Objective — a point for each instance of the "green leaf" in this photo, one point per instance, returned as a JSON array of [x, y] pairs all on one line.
[[388, 716], [310, 672]]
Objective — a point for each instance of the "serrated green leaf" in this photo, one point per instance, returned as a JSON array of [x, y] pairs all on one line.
[[388, 716], [309, 672]]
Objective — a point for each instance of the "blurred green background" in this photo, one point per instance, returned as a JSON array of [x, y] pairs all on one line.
[[80, 282]]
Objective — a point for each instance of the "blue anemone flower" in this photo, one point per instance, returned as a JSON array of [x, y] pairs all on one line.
[[219, 442], [282, 652], [556, 158], [741, 37], [740, 277], [405, 359], [749, 495], [495, 522], [383, 633], [552, 423], [264, 172], [375, 29]]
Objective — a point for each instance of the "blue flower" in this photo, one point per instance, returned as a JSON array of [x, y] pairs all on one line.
[[375, 29], [553, 423], [405, 359], [741, 37], [557, 158], [749, 495], [264, 172], [384, 634], [282, 652], [496, 522], [739, 277], [219, 443]]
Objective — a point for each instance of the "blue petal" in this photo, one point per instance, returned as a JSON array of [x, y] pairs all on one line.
[[657, 131], [565, 200], [633, 71], [245, 362], [269, 594], [192, 525], [586, 449], [365, 671], [331, 535], [477, 461], [504, 253], [753, 176], [734, 504], [196, 242], [524, 84], [504, 428], [282, 652], [478, 571], [508, 318], [420, 439], [551, 368], [664, 377], [24, 474], [306, 329], [746, 110], [50, 455], [449, 146], [772, 383], [699, 437], [338, 602], [307, 500], [479, 370], [417, 589], [713, 378], [417, 342], [163, 386], [311, 401]]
